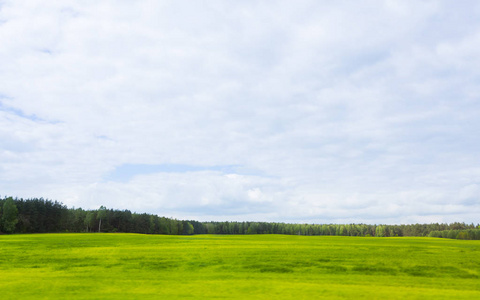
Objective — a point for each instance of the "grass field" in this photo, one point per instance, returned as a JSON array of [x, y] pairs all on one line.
[[119, 266]]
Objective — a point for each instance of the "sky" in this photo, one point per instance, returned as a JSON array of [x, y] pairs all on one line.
[[282, 111]]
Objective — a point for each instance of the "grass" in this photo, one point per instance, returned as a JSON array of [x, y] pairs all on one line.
[[129, 266]]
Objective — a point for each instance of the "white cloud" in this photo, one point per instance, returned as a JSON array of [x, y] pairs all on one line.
[[361, 112]]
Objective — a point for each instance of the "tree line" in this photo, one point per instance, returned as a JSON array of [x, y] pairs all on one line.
[[40, 215], [420, 230], [465, 234]]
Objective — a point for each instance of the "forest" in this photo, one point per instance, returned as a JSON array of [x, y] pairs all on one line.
[[40, 215]]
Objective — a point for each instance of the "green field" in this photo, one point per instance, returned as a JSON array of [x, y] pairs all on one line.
[[117, 266]]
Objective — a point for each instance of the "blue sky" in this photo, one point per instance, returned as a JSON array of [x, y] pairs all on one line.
[[127, 172], [304, 111]]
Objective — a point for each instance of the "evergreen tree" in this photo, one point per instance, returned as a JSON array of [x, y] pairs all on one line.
[[9, 216]]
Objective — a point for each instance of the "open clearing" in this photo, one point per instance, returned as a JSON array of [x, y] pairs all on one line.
[[117, 266]]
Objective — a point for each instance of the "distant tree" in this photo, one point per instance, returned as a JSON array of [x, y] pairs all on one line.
[[380, 231], [89, 218], [210, 228], [9, 216], [154, 224], [188, 228], [78, 219], [101, 214], [141, 223]]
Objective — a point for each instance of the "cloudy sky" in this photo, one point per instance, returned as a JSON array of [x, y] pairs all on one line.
[[291, 111]]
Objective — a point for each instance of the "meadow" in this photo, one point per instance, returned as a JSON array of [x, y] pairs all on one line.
[[130, 266]]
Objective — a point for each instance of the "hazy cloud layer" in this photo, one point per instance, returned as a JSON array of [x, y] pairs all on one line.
[[296, 111]]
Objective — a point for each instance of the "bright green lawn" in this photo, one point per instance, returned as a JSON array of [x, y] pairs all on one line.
[[117, 266]]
